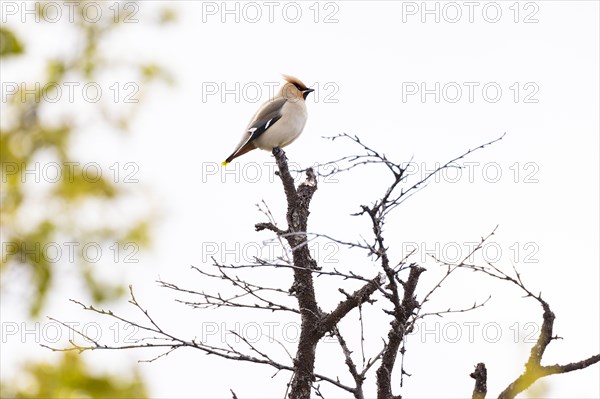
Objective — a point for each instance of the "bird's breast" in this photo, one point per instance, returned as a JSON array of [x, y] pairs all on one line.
[[285, 130]]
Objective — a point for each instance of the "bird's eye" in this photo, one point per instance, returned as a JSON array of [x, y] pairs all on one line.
[[298, 86]]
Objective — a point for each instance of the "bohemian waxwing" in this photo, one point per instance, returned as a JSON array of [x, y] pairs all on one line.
[[278, 122]]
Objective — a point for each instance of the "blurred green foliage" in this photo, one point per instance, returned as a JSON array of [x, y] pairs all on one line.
[[28, 139], [70, 378], [9, 45], [71, 208]]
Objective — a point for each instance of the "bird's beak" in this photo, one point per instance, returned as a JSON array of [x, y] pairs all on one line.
[[306, 92]]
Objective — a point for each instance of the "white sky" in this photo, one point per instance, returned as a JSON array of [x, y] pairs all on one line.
[[362, 64]]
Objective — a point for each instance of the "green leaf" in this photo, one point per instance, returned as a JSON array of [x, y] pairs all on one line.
[[167, 15], [9, 44], [70, 378], [81, 183]]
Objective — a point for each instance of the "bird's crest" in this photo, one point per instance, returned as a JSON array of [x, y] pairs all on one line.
[[294, 81]]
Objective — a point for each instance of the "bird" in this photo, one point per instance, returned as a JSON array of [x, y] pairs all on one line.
[[278, 122]]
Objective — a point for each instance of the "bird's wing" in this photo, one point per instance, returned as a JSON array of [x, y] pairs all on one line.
[[260, 126], [264, 118]]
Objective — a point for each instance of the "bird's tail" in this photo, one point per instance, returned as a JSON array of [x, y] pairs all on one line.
[[244, 149], [228, 160]]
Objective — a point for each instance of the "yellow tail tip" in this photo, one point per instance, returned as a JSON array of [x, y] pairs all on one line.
[[224, 163]]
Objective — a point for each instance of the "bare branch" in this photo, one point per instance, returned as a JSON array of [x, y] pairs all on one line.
[[262, 263], [480, 376], [358, 379], [269, 226], [329, 321], [533, 368], [398, 330], [248, 290]]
